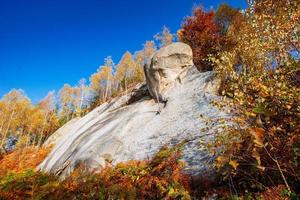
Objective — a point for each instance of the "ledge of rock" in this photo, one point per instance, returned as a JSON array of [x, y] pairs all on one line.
[[120, 131], [167, 66]]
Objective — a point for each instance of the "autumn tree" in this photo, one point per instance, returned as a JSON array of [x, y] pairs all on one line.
[[83, 95], [229, 21], [126, 70], [2, 112], [106, 73], [47, 110], [140, 62], [67, 102], [142, 57], [201, 32], [165, 37], [108, 61], [101, 83], [95, 84], [225, 17], [28, 123], [260, 75], [15, 106]]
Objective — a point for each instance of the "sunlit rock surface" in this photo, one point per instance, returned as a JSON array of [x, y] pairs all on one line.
[[53, 139], [118, 131], [168, 65]]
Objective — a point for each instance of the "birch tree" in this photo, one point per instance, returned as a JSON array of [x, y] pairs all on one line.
[[47, 108], [14, 105], [66, 101], [83, 96], [165, 37], [126, 70], [142, 57]]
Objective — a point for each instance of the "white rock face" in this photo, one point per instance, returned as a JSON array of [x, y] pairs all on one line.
[[116, 132], [53, 139], [168, 65]]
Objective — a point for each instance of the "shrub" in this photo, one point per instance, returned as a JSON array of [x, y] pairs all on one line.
[[260, 75], [22, 159], [158, 178]]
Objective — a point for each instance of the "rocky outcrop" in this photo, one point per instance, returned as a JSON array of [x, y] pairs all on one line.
[[54, 139], [118, 131], [167, 66]]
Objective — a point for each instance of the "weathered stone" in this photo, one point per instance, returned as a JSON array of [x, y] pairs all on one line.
[[117, 131], [166, 67]]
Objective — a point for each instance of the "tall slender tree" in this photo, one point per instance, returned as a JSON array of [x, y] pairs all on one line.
[[66, 101], [83, 95], [126, 71], [15, 105], [47, 109], [101, 83], [165, 37], [142, 57]]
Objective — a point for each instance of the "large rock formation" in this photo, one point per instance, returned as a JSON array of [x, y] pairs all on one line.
[[118, 131], [167, 66]]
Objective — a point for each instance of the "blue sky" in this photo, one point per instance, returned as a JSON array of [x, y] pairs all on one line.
[[46, 43]]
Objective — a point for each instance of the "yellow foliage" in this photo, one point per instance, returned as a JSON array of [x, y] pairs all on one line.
[[260, 76], [234, 164]]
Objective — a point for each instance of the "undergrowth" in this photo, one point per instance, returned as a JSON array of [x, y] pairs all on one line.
[[158, 178]]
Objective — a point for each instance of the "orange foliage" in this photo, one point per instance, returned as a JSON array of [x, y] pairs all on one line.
[[22, 159], [274, 193], [260, 76], [202, 33], [158, 178]]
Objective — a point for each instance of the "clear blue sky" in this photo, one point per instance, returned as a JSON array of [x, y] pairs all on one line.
[[46, 43]]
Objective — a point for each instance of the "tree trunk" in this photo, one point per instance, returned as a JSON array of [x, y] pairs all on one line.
[[7, 129], [28, 141], [126, 88], [39, 144], [106, 89], [1, 127], [81, 103]]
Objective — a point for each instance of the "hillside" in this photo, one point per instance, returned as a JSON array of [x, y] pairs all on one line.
[[118, 131], [212, 112]]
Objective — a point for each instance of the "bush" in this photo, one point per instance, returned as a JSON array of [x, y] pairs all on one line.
[[158, 178], [22, 159], [260, 75]]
